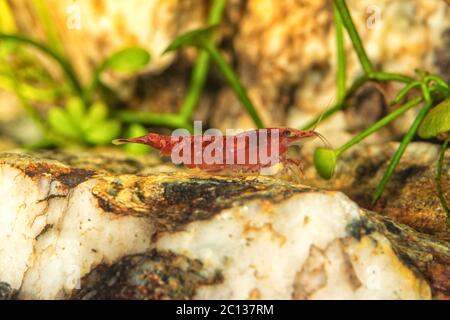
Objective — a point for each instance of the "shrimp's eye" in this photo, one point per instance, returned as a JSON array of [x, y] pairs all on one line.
[[288, 134]]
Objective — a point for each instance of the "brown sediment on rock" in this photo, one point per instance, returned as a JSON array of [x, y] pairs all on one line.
[[428, 255], [185, 198], [36, 168], [149, 276], [71, 168], [6, 292]]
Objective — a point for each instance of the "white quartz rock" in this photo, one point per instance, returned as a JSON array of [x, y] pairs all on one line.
[[266, 238]]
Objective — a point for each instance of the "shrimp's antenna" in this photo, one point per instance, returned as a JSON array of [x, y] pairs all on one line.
[[323, 139], [318, 121], [322, 114]]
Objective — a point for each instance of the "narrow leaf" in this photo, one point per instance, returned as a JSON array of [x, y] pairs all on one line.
[[196, 38], [128, 60]]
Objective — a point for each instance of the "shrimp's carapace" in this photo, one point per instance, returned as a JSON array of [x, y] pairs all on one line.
[[248, 151]]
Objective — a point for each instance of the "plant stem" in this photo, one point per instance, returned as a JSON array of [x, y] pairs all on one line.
[[400, 150], [354, 36], [196, 83], [425, 92], [389, 76], [378, 125], [200, 71], [234, 83], [66, 67], [404, 91], [438, 180], [340, 50]]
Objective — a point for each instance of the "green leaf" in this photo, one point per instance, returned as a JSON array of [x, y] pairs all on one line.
[[96, 114], [60, 122], [103, 132], [128, 60], [76, 110], [436, 121], [196, 38], [136, 130], [325, 162]]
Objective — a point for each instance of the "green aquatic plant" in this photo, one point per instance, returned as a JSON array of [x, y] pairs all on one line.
[[70, 122], [433, 89], [66, 67], [128, 60], [76, 124], [84, 120], [183, 118], [203, 40]]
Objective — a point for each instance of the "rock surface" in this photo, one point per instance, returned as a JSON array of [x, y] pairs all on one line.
[[129, 230]]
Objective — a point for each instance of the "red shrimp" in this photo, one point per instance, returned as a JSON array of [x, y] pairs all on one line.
[[246, 152]]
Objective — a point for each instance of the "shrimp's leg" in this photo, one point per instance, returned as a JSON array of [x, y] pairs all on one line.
[[295, 168], [244, 170]]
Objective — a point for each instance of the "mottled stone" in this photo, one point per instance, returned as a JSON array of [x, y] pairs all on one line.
[[149, 276], [190, 235]]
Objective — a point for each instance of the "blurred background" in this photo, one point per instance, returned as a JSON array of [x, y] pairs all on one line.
[[282, 51]]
